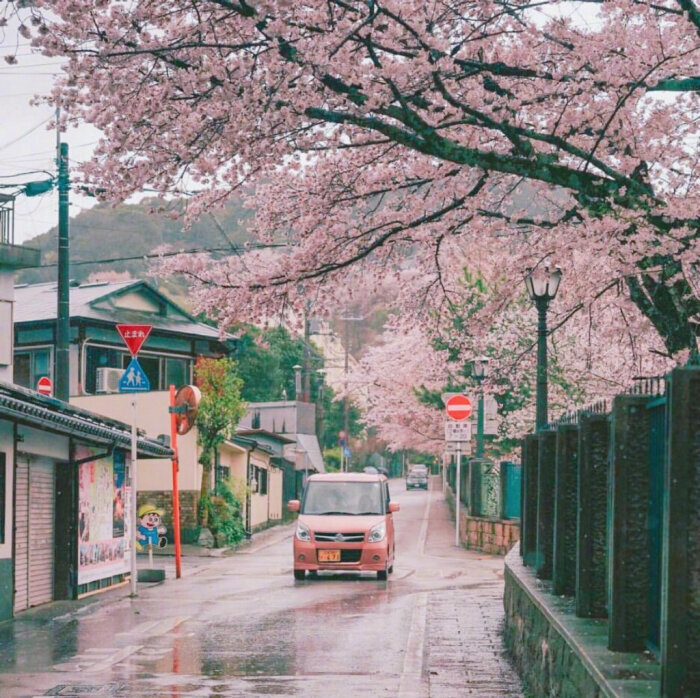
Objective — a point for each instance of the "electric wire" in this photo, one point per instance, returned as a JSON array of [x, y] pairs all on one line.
[[174, 253]]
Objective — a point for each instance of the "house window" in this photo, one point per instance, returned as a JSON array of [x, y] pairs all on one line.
[[151, 367], [99, 357], [3, 476], [222, 473], [176, 372], [161, 371], [261, 477], [31, 365]]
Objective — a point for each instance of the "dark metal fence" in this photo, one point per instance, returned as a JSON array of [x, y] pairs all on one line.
[[611, 515], [488, 489]]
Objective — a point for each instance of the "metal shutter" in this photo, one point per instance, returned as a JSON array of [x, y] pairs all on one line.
[[21, 535], [35, 529]]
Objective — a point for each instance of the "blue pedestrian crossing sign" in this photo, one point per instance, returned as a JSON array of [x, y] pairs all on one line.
[[134, 380]]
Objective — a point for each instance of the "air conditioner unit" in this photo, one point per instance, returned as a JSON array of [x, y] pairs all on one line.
[[108, 380]]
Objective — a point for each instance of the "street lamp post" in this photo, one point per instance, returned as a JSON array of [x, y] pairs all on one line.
[[297, 382], [542, 287], [480, 371]]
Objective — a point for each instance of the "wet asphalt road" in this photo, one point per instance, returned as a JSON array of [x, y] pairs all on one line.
[[241, 626]]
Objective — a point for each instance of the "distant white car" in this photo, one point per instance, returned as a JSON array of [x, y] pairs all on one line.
[[417, 477]]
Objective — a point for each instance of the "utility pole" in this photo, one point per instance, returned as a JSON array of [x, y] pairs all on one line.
[[346, 415], [307, 354], [63, 311]]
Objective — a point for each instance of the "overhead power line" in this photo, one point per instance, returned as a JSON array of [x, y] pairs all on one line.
[[196, 250]]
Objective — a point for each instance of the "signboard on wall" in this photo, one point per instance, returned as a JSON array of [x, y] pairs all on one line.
[[103, 516]]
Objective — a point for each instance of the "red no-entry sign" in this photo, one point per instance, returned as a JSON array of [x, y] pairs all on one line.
[[44, 386], [459, 407]]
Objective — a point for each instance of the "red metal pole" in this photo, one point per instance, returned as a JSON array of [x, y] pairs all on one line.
[[176, 489]]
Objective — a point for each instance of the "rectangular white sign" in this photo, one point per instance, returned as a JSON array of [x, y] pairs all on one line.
[[464, 448], [458, 431]]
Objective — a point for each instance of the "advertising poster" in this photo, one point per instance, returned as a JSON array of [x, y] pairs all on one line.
[[119, 504], [102, 512]]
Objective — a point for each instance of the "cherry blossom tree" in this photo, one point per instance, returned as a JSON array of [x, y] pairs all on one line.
[[375, 135], [404, 377]]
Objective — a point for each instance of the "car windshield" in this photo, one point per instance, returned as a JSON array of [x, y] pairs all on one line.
[[351, 497]]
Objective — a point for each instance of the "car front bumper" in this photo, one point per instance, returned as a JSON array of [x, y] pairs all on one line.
[[373, 557]]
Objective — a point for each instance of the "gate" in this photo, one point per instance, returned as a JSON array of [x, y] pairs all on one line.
[[657, 468], [511, 479]]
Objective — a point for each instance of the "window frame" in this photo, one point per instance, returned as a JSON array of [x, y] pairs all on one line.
[[31, 349], [161, 357]]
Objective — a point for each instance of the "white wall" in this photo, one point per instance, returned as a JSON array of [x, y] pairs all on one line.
[[259, 502], [7, 447], [7, 295], [152, 416], [275, 492], [43, 443]]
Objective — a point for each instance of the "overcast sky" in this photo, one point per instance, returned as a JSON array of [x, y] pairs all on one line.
[[25, 143]]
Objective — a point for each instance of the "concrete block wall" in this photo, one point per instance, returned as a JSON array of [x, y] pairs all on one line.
[[189, 530]]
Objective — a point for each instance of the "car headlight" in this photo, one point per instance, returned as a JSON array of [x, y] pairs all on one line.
[[303, 532], [377, 532]]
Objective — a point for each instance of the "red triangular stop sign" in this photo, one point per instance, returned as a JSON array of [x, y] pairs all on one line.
[[134, 336]]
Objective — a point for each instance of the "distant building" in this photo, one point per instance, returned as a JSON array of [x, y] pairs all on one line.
[[295, 420]]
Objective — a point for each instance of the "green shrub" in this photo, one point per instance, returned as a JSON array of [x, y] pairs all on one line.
[[225, 518]]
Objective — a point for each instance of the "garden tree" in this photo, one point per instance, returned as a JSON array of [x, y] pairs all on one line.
[[220, 409], [365, 130], [266, 360]]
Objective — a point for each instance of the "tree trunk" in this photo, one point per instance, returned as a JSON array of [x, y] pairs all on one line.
[[203, 509]]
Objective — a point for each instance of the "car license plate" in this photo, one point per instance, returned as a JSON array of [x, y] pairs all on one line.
[[329, 555]]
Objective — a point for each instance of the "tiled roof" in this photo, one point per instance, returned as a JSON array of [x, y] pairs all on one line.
[[38, 302], [28, 407]]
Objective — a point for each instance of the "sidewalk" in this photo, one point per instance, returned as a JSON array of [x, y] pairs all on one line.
[[194, 560], [466, 655]]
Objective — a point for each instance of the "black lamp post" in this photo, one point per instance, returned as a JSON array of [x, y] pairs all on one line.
[[542, 286], [480, 371]]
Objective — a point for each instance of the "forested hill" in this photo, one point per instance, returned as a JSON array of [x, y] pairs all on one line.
[[118, 238]]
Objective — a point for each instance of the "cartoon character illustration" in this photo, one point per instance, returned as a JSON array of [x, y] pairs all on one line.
[[149, 530]]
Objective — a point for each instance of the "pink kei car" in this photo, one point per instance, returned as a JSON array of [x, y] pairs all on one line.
[[345, 523]]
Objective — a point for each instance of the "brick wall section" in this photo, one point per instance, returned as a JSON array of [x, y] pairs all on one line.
[[189, 530], [493, 536]]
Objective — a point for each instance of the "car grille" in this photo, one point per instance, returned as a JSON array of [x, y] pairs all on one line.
[[334, 537], [352, 555]]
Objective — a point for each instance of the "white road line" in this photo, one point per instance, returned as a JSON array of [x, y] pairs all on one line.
[[411, 684], [423, 535]]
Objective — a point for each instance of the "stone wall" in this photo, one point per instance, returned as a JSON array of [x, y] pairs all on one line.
[[558, 654], [189, 531], [494, 536]]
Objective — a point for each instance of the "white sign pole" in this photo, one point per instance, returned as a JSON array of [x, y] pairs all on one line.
[[134, 525], [445, 461], [457, 484]]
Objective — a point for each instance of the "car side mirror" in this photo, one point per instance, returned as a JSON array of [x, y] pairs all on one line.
[[293, 505], [393, 506]]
